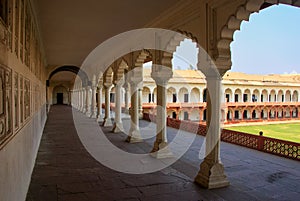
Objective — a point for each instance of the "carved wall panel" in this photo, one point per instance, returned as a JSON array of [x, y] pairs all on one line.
[[17, 14], [8, 101], [21, 99], [2, 104], [16, 99], [27, 98], [5, 104]]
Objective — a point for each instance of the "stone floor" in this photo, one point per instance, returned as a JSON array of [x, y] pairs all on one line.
[[65, 171]]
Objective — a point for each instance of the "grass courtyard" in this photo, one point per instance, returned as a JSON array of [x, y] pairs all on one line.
[[289, 132]]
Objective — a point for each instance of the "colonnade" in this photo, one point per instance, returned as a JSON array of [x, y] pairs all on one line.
[[89, 100]]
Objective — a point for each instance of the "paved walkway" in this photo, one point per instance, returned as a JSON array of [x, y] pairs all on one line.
[[65, 171]]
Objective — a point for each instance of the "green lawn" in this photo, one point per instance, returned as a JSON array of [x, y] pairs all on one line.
[[289, 132]]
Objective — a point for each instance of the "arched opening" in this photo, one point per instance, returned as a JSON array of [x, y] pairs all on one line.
[[246, 96], [264, 96], [237, 95], [272, 96], [256, 96], [147, 96], [60, 95], [195, 95], [171, 95], [295, 96], [288, 96], [280, 96], [228, 95], [183, 95]]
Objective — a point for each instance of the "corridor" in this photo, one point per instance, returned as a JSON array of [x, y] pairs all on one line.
[[65, 171]]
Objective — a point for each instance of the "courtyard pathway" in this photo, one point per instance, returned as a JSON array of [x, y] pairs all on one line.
[[65, 171]]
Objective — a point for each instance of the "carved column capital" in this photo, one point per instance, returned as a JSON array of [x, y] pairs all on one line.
[[162, 76]]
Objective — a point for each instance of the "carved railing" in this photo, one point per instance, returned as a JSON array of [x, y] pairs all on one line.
[[265, 144]]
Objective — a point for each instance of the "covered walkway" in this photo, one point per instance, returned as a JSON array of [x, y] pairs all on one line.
[[64, 170]]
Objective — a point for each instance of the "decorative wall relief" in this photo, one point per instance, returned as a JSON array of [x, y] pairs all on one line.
[[2, 105], [17, 20], [5, 104], [37, 97], [16, 99], [21, 99], [8, 99], [27, 98]]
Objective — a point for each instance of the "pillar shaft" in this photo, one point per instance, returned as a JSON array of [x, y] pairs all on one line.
[[211, 174], [140, 102], [127, 100], [118, 125], [134, 132], [88, 101], [160, 147], [94, 103], [99, 105], [107, 120], [83, 101]]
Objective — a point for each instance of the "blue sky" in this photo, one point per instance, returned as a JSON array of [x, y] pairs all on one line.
[[268, 43]]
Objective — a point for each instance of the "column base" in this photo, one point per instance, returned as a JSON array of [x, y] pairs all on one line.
[[107, 122], [88, 114], [100, 118], [94, 114], [140, 114], [118, 127], [126, 111], [211, 176], [134, 137], [161, 151]]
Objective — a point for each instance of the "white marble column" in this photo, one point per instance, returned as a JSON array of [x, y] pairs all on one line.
[[211, 174], [107, 119], [75, 99], [160, 147], [140, 93], [118, 125], [126, 87], [134, 131], [88, 101], [83, 110], [99, 111], [94, 103], [79, 99]]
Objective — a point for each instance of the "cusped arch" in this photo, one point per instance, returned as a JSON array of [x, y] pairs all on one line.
[[174, 43], [233, 24]]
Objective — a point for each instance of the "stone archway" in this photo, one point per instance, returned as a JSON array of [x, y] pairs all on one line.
[[242, 13]]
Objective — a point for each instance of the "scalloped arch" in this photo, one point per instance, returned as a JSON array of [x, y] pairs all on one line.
[[234, 23], [174, 43]]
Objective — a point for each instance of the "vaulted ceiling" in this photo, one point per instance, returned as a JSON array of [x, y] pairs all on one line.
[[71, 29]]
